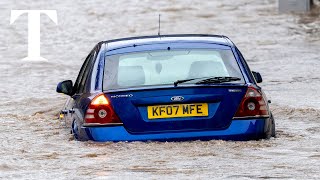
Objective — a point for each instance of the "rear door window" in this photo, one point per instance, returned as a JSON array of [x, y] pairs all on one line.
[[84, 73]]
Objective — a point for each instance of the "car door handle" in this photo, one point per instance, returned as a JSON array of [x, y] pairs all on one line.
[[71, 111], [64, 111]]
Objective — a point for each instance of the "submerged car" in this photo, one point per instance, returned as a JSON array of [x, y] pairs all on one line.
[[166, 88]]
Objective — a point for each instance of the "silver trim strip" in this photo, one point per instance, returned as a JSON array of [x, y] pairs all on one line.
[[251, 117], [98, 124]]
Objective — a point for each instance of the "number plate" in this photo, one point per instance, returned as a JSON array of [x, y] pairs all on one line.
[[177, 110]]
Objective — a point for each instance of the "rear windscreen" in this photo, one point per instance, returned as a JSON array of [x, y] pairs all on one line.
[[150, 68]]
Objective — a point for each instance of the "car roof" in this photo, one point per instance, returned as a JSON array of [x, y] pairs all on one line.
[[171, 38]]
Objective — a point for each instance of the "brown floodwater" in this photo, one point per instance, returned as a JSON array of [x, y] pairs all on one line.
[[284, 48]]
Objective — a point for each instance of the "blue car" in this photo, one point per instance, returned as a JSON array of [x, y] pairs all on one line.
[[166, 88]]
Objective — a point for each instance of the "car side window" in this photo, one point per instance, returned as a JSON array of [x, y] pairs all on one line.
[[86, 72], [80, 75], [245, 64], [79, 84], [242, 58]]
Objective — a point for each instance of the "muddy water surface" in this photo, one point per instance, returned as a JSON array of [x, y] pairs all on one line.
[[283, 47]]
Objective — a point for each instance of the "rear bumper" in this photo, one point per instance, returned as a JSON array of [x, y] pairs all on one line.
[[238, 130]]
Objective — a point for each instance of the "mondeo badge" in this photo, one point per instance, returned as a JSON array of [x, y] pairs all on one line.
[[177, 98]]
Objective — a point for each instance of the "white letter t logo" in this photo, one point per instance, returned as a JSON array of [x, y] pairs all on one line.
[[34, 30]]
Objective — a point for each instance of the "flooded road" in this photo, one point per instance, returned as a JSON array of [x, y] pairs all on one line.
[[284, 48]]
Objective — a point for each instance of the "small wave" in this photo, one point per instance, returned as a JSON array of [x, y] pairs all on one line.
[[307, 113], [6, 167]]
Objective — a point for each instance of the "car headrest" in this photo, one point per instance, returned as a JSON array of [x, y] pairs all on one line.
[[131, 76], [206, 69]]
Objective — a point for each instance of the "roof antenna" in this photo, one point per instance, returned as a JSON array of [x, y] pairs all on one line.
[[159, 26]]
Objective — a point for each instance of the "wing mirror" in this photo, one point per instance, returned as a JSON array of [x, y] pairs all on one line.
[[257, 76], [65, 87]]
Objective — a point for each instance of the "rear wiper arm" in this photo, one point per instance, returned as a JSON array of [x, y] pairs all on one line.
[[183, 81], [207, 80], [218, 80]]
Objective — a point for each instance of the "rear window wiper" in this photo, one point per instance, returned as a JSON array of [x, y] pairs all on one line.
[[218, 80], [208, 80]]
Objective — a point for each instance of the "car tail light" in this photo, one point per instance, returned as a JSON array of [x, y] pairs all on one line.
[[252, 105], [100, 112]]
